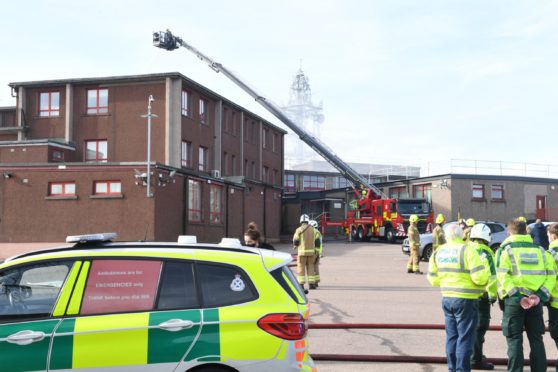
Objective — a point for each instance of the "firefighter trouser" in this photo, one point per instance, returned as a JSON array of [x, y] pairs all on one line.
[[305, 267], [317, 268], [482, 327], [553, 326], [514, 320], [413, 263]]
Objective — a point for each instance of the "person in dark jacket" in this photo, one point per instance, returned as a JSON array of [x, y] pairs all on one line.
[[539, 235], [253, 238]]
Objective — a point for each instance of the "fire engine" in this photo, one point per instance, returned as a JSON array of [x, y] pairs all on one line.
[[374, 214]]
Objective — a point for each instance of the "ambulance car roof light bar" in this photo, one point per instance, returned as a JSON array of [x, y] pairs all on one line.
[[166, 40]]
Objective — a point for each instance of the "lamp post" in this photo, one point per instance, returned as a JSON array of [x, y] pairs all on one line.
[[149, 115]]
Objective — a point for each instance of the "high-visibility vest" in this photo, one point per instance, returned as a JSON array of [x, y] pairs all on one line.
[[487, 255], [304, 235], [318, 237], [524, 268], [553, 250], [458, 270]]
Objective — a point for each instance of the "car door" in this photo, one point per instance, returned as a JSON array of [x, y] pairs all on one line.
[[128, 313], [28, 295]]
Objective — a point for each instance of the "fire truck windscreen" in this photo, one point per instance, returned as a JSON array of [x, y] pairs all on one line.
[[413, 207]]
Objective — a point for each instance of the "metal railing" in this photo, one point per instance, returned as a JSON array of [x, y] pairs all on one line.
[[489, 167]]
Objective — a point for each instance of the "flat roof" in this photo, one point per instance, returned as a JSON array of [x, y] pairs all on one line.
[[138, 78]]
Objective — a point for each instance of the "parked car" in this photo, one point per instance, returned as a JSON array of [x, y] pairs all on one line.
[[102, 305], [499, 233]]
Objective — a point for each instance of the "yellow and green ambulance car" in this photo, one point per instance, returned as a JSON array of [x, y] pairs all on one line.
[[100, 305]]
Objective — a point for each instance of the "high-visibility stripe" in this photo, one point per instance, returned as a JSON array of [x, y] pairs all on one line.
[[478, 268], [502, 270], [117, 340], [533, 272], [75, 302], [462, 290], [64, 297], [452, 270], [430, 273]]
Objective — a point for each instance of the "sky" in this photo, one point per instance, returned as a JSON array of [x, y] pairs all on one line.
[[401, 81]]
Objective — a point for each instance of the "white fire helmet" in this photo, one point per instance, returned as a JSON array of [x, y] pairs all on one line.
[[481, 231]]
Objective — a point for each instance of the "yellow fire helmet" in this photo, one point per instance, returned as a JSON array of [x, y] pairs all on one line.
[[440, 218], [522, 219], [471, 222], [413, 218]]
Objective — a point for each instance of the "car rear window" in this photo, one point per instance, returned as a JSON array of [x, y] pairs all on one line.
[[285, 277], [224, 285], [177, 289]]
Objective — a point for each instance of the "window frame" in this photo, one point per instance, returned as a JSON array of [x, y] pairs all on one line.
[[497, 188], [63, 184], [96, 159], [56, 158], [476, 187], [399, 190], [212, 205], [108, 185], [287, 185], [185, 103], [425, 190], [247, 279], [196, 197], [311, 182], [50, 112], [203, 158], [186, 154], [202, 110], [98, 109]]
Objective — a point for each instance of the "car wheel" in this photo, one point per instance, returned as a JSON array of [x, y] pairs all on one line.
[[390, 235], [427, 252], [212, 368]]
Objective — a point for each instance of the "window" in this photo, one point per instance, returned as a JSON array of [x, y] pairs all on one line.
[[62, 189], [116, 286], [265, 174], [495, 228], [203, 110], [497, 192], [194, 201], [97, 101], [107, 188], [274, 143], [185, 103], [339, 182], [289, 183], [215, 204], [423, 191], [224, 285], [265, 135], [398, 192], [49, 104], [31, 291], [177, 287], [478, 191], [96, 150], [313, 183], [186, 154], [57, 155], [202, 158]]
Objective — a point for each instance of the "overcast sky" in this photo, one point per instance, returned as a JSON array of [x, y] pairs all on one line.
[[401, 81]]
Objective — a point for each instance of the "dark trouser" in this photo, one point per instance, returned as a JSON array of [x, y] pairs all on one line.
[[461, 317], [553, 326], [482, 327], [514, 320]]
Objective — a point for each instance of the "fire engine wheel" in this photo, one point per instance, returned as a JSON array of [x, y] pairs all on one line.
[[390, 235], [361, 235], [354, 233], [427, 252]]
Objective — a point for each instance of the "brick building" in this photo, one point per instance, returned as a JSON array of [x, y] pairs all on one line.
[[73, 160]]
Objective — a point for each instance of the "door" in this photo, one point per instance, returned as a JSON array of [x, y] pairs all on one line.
[[541, 207], [27, 299], [129, 313]]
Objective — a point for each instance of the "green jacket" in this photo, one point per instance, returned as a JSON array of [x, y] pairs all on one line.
[[487, 255], [525, 268], [553, 250], [458, 270]]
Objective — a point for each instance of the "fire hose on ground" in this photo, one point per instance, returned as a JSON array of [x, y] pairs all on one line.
[[395, 358]]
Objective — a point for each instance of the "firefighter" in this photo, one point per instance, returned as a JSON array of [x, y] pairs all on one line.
[[552, 232], [480, 239], [467, 231], [305, 244], [438, 235], [319, 251], [414, 246], [462, 276], [526, 276]]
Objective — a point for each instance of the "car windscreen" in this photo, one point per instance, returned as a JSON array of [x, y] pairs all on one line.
[[412, 207]]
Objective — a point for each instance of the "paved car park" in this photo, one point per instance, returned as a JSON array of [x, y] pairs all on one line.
[[368, 283]]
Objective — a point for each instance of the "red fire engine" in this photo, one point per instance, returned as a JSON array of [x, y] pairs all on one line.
[[374, 214]]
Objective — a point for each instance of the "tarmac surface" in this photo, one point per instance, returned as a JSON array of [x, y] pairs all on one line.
[[368, 283]]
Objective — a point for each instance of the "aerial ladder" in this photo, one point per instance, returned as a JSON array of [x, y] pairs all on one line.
[[361, 223]]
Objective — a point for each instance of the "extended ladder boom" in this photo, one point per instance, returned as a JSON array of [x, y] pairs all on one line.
[[166, 40]]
